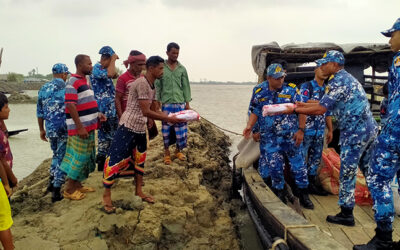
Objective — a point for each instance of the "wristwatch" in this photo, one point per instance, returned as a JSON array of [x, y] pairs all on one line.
[[302, 129]]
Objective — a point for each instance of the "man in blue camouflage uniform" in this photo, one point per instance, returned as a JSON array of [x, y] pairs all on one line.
[[51, 111], [104, 93], [313, 143], [347, 101], [384, 105], [280, 134], [386, 159], [384, 114], [262, 161]]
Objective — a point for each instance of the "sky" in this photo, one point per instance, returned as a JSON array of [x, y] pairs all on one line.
[[215, 36]]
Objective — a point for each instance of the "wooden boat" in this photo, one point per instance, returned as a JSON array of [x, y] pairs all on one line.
[[302, 228], [308, 229]]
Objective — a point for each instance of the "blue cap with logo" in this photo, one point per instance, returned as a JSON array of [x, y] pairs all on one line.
[[60, 68], [106, 50], [275, 71], [331, 56], [396, 27]]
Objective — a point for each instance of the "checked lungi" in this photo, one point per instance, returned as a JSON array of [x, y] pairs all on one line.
[[79, 159], [180, 128], [120, 161]]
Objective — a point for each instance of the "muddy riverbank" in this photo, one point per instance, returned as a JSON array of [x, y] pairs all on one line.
[[192, 209]]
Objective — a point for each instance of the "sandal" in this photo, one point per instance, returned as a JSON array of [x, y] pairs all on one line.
[[180, 156], [108, 209], [77, 195], [167, 160], [86, 189], [148, 199]]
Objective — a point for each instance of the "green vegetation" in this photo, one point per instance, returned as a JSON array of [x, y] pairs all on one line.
[[15, 77]]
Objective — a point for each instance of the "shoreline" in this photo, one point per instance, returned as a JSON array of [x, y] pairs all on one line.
[[192, 208]]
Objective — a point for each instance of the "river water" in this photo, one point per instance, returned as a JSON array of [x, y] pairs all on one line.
[[27, 148]]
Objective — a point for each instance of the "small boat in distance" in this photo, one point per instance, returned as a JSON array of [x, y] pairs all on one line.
[[15, 132]]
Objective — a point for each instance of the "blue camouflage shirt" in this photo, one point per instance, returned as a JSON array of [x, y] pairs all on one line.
[[256, 128], [393, 122], [384, 111], [347, 101], [104, 91], [275, 125], [51, 107], [315, 124]]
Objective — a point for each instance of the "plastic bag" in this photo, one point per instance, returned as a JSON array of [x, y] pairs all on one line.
[[249, 152], [187, 115], [273, 109]]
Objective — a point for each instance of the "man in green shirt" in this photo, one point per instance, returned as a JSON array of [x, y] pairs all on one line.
[[173, 91]]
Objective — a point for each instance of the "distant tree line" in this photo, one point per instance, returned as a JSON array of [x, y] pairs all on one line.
[[15, 77]]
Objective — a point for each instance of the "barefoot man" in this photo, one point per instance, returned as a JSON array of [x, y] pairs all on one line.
[[131, 133]]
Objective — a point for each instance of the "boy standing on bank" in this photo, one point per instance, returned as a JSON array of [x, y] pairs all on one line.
[[7, 180]]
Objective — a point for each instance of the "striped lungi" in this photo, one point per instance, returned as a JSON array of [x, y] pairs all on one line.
[[120, 161], [180, 128], [79, 159]]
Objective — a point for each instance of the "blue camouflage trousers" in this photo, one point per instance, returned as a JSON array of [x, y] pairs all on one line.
[[58, 145], [312, 151], [353, 154], [276, 149], [262, 161], [384, 165], [106, 135]]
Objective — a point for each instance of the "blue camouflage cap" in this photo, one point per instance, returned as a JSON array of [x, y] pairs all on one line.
[[275, 71], [106, 50], [396, 27], [60, 68], [331, 56]]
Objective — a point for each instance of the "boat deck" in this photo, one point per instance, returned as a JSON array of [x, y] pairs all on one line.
[[308, 229], [361, 233]]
